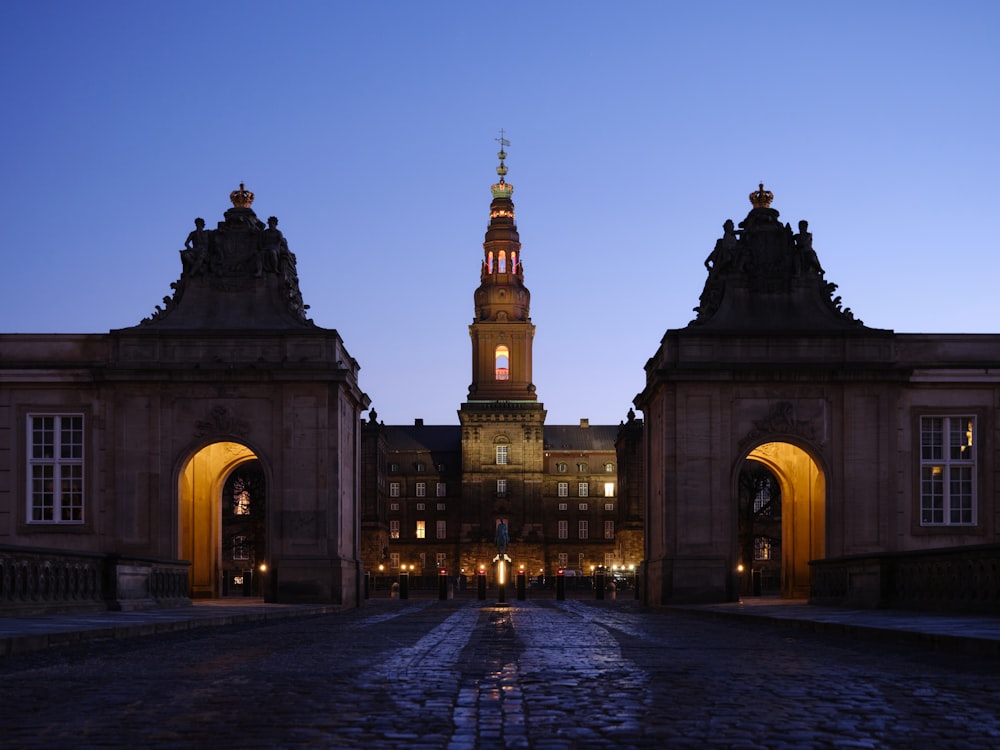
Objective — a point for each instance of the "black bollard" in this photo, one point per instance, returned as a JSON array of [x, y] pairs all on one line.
[[599, 583], [481, 586], [560, 586], [521, 585], [442, 585], [404, 585]]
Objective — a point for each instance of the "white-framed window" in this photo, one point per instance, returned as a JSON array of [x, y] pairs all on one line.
[[393, 489], [948, 471], [564, 529], [394, 560], [761, 548], [421, 489], [563, 489], [501, 488], [421, 506], [440, 506], [609, 468], [582, 489], [442, 489], [502, 454], [609, 506], [584, 529], [563, 506], [609, 489], [441, 560], [241, 550], [421, 530], [441, 529], [55, 468], [393, 468], [582, 506], [393, 506], [561, 467], [563, 560], [609, 529], [394, 529], [421, 466], [582, 467]]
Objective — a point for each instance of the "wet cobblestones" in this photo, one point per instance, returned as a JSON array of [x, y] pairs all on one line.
[[460, 674]]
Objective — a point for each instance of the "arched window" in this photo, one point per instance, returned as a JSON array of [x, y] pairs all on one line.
[[489, 262], [501, 361], [513, 261], [502, 262]]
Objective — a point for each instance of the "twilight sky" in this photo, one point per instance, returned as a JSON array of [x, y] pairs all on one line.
[[367, 128]]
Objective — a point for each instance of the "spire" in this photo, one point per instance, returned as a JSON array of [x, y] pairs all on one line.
[[502, 189]]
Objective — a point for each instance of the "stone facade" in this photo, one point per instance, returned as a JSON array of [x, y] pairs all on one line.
[[120, 444], [880, 442]]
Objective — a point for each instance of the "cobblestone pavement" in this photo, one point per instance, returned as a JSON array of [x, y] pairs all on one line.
[[464, 674]]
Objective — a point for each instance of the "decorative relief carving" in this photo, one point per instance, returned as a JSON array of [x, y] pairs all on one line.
[[780, 421], [221, 420]]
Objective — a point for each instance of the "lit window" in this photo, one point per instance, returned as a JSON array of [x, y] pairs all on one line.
[[241, 551], [564, 529], [563, 559], [761, 548], [609, 468], [502, 454], [55, 466], [421, 530], [502, 261], [609, 489], [563, 506], [563, 489], [584, 530], [582, 489], [241, 498], [394, 529], [441, 489], [393, 489], [609, 529], [441, 560], [441, 530], [421, 489], [947, 471], [501, 358]]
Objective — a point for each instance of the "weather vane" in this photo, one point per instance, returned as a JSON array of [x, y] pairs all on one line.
[[501, 140]]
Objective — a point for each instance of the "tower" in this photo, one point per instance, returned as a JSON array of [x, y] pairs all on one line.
[[502, 421]]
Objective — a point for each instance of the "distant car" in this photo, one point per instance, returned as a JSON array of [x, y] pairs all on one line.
[[621, 580]]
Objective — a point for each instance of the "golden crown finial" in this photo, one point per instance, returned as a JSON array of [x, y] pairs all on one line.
[[502, 189], [761, 198], [241, 198]]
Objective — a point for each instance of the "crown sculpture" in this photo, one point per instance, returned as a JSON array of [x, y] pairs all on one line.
[[760, 198], [243, 198]]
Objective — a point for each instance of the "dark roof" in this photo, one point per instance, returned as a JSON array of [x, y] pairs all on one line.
[[424, 437], [573, 437]]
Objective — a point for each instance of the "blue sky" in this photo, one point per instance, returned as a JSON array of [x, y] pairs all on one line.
[[368, 128]]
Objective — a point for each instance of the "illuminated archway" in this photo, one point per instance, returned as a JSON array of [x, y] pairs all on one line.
[[803, 511], [199, 490]]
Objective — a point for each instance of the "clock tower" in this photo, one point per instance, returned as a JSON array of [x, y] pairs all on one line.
[[502, 421]]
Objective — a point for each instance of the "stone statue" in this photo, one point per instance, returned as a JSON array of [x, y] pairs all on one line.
[[725, 249], [195, 251], [502, 539], [806, 260], [272, 246]]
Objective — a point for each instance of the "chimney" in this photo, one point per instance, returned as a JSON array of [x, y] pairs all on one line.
[[584, 423], [418, 422]]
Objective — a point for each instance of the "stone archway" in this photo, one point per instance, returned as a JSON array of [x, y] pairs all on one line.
[[803, 511], [199, 492]]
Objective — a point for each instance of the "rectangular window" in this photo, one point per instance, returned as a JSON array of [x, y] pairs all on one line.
[[421, 489], [421, 466], [440, 506], [564, 529], [563, 506], [583, 489], [394, 560], [584, 530], [609, 506], [393, 489], [609, 468], [441, 559], [393, 468], [582, 506], [948, 471], [241, 551], [502, 454], [55, 469], [609, 489], [394, 529], [441, 530], [761, 548], [609, 529], [393, 506], [563, 559], [442, 489], [421, 506], [563, 489], [421, 530], [501, 488]]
